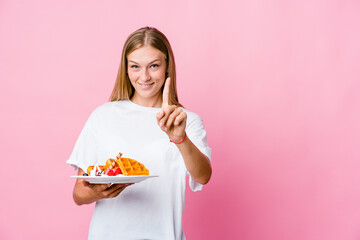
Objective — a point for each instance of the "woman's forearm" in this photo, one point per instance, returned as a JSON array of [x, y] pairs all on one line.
[[196, 162], [81, 193], [81, 196]]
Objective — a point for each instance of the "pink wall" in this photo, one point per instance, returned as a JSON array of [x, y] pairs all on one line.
[[276, 82]]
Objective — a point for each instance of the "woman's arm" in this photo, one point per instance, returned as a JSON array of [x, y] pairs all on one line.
[[196, 162], [86, 193], [172, 121]]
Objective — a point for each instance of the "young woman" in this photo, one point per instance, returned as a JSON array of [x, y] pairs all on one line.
[[145, 121]]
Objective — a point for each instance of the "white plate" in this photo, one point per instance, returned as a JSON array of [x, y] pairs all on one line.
[[115, 179]]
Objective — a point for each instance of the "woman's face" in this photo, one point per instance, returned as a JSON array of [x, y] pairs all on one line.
[[146, 70]]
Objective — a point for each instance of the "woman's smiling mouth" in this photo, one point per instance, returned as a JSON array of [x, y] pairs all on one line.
[[145, 86]]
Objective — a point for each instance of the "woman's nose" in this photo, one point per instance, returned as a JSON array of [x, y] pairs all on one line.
[[145, 76]]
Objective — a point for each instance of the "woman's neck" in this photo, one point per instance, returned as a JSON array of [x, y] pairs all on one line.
[[154, 102]]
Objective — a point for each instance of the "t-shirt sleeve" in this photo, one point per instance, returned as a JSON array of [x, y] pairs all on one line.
[[197, 134], [84, 152]]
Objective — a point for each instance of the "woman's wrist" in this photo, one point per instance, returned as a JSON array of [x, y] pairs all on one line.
[[179, 140]]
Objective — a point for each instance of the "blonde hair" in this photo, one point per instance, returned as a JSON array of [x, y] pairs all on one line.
[[123, 90]]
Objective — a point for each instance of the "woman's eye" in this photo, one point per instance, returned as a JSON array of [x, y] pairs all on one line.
[[134, 67], [154, 66]]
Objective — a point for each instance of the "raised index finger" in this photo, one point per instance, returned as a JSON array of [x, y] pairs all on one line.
[[166, 93]]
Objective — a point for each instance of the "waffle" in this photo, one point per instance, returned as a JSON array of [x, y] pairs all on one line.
[[111, 163], [127, 166], [130, 166], [102, 168]]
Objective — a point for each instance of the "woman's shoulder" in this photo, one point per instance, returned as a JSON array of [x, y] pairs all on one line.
[[109, 107], [106, 110], [192, 116], [102, 109]]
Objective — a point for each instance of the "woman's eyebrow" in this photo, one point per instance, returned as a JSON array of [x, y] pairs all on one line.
[[154, 61], [149, 62]]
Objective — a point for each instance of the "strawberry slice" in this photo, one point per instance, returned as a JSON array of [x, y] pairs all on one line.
[[118, 171], [111, 172]]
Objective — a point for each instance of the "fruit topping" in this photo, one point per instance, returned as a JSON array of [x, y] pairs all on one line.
[[118, 171], [111, 172]]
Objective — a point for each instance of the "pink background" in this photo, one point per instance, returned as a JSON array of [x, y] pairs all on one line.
[[276, 82]]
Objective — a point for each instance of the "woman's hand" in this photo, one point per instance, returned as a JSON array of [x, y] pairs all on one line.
[[101, 191], [85, 193], [171, 119]]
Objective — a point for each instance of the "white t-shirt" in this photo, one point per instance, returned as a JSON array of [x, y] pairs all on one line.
[[151, 209]]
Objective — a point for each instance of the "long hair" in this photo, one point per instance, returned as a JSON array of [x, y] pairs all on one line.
[[123, 90]]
